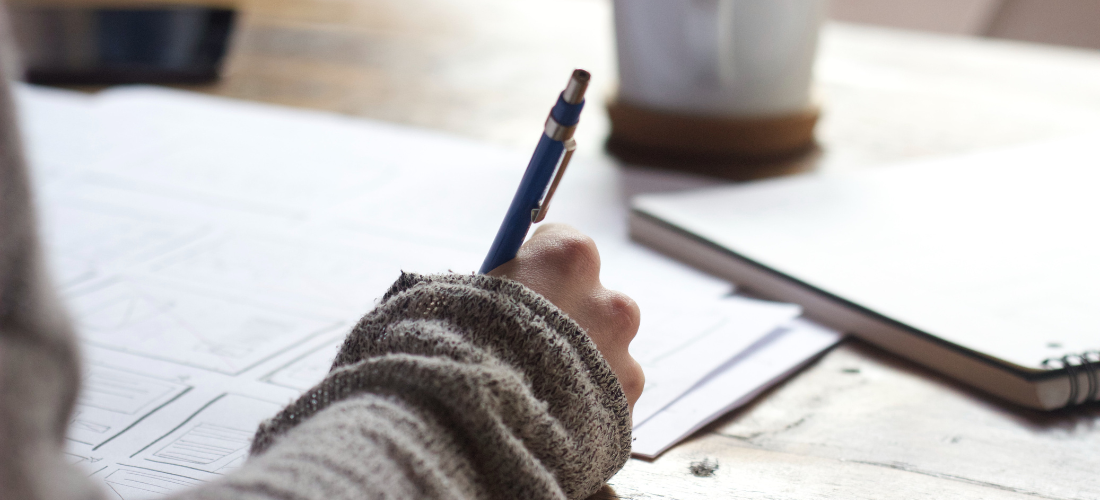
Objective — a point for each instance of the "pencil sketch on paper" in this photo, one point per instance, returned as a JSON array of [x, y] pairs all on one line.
[[81, 456], [308, 370], [204, 444], [83, 240], [136, 483], [112, 400], [215, 439], [73, 459], [190, 328], [300, 270]]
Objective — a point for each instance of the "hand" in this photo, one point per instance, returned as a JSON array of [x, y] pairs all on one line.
[[563, 265]]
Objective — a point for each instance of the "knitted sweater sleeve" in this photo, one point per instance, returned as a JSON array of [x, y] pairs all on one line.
[[453, 387]]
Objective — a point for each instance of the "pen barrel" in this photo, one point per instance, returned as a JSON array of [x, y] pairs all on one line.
[[566, 114], [513, 230]]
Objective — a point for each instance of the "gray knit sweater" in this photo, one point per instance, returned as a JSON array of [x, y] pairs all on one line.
[[453, 387]]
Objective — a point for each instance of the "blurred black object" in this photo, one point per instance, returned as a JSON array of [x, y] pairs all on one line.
[[101, 46]]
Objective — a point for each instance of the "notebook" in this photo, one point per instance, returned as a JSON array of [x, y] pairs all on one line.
[[983, 267]]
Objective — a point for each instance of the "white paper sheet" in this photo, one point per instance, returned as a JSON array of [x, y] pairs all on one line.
[[743, 378], [213, 254], [685, 343]]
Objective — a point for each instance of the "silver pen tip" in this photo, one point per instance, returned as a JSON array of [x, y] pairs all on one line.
[[578, 83]]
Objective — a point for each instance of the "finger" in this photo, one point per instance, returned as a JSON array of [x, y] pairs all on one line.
[[553, 227], [546, 235], [632, 379], [565, 252], [619, 317]]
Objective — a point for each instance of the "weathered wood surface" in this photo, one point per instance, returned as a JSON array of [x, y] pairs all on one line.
[[484, 69], [860, 423]]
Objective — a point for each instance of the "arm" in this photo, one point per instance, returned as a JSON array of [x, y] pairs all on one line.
[[465, 387]]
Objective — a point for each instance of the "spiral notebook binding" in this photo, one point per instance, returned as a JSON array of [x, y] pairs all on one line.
[[1072, 364]]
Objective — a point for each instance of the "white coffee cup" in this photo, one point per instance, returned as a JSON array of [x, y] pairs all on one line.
[[736, 58]]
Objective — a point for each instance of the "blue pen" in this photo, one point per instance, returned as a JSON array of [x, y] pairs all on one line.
[[555, 148]]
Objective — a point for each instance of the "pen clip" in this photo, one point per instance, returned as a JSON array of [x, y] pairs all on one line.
[[538, 214]]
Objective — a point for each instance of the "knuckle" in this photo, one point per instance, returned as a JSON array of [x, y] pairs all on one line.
[[575, 255], [623, 315], [633, 381]]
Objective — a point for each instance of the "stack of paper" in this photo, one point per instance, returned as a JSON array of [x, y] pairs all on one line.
[[215, 252]]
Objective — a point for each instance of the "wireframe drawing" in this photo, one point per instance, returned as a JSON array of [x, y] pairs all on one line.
[[135, 483], [112, 399], [205, 444], [308, 370], [190, 328], [86, 240], [214, 439]]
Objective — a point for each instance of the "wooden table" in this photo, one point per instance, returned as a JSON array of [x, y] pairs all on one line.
[[860, 423]]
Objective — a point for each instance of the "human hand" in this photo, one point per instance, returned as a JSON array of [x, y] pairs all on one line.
[[561, 264]]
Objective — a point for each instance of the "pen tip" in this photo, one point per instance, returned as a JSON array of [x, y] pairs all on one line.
[[578, 83]]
